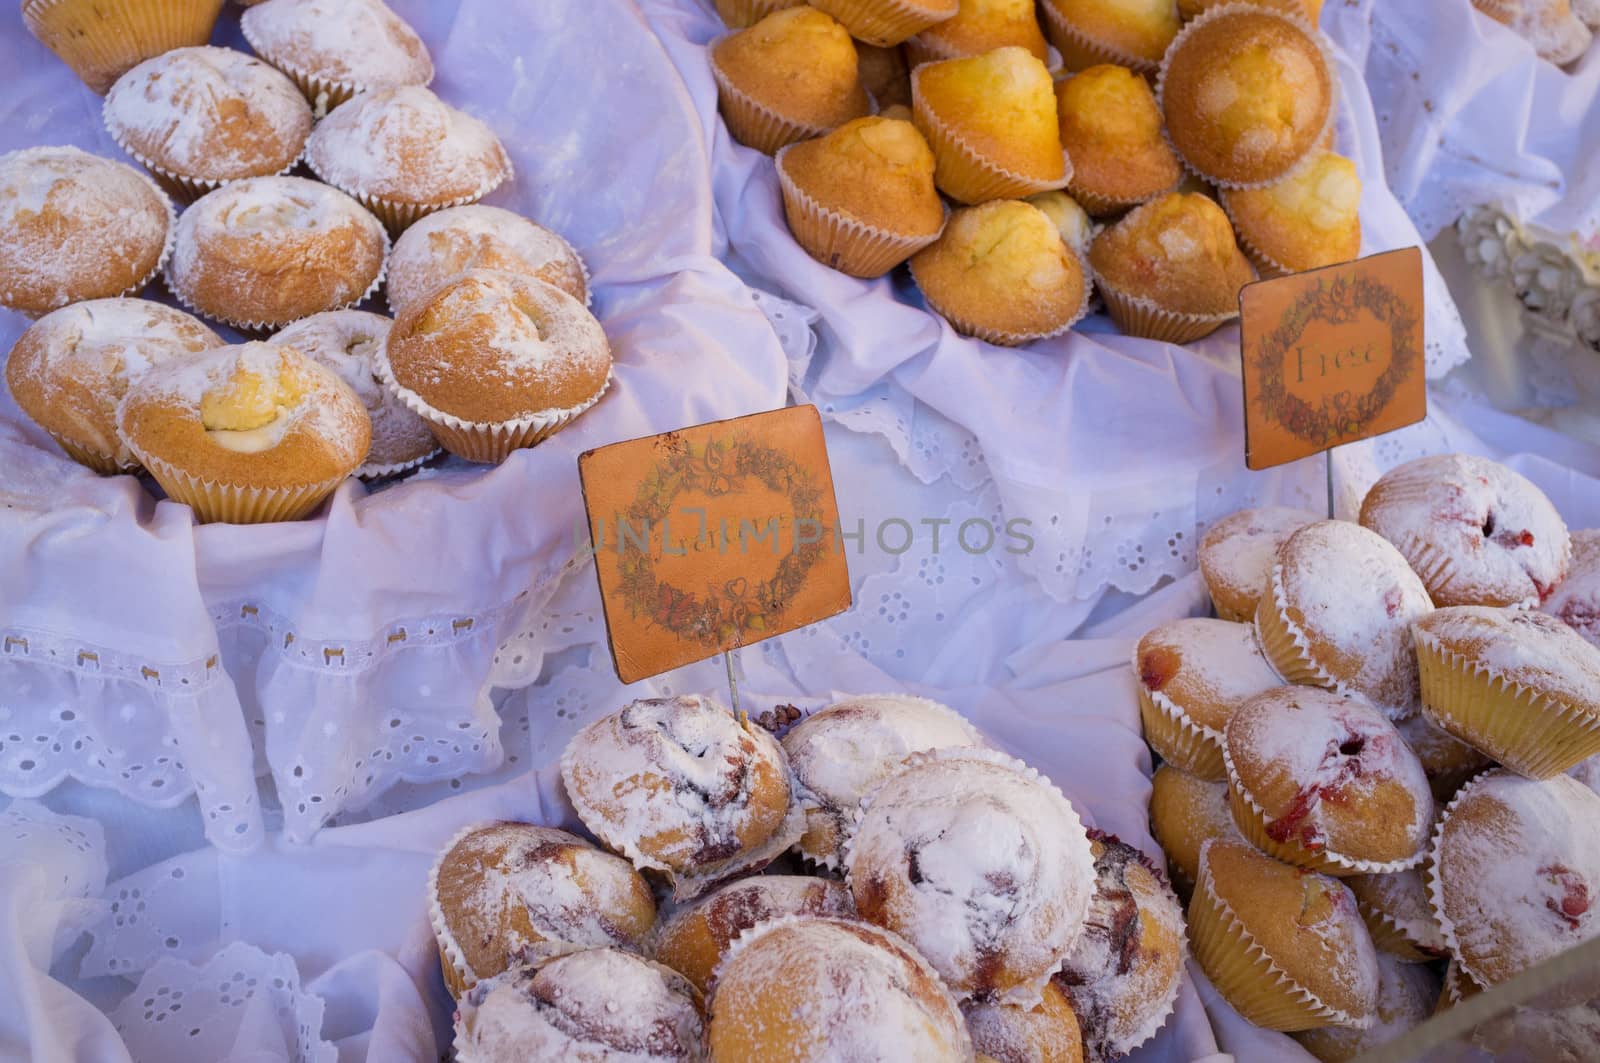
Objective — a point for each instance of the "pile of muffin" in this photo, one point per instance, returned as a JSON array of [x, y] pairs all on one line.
[[1362, 788], [492, 346], [1202, 149], [878, 884]]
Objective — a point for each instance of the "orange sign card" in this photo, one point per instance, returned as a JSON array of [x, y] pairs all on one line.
[[1332, 356], [713, 537]]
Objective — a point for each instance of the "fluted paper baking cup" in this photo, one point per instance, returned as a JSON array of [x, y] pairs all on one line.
[[885, 23], [216, 502], [839, 241], [370, 472], [921, 49], [1001, 337], [1464, 950], [396, 215], [1529, 732], [1099, 206], [1387, 936], [754, 124], [965, 174], [1137, 316], [1080, 50], [103, 39], [1267, 266], [104, 464], [323, 93], [1181, 742], [181, 187], [742, 13], [459, 976]]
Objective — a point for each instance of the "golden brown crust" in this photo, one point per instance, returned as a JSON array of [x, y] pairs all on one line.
[[694, 940], [1142, 33], [981, 26], [1309, 219], [1001, 105], [1310, 9], [1008, 1033], [878, 171], [1178, 250], [737, 14], [101, 41], [1111, 130], [1185, 813], [798, 63], [453, 241]]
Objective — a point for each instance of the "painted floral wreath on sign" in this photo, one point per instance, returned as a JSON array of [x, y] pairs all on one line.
[[1339, 415], [715, 614]]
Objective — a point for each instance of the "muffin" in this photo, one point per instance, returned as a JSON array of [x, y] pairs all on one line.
[[1310, 10], [791, 76], [1520, 686], [809, 988], [1327, 783], [693, 940], [1397, 912], [334, 49], [991, 120], [1124, 973], [1285, 946], [1306, 220], [1111, 130], [1446, 759], [1237, 554], [501, 893], [245, 434], [1130, 33], [1550, 26], [199, 117], [980, 864], [347, 341], [599, 1004], [732, 806], [100, 41], [861, 198], [495, 362], [1002, 272], [737, 14], [1475, 531], [1406, 996], [1192, 674], [74, 226], [980, 26], [453, 241], [1170, 269], [1185, 813], [1247, 94], [888, 22], [72, 366], [1515, 872], [886, 76], [1077, 229], [1048, 1032], [1576, 600], [1338, 613], [842, 752]]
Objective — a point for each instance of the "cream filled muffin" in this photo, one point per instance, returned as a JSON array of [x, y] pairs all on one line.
[[1576, 600], [980, 26], [72, 366], [1111, 130], [245, 434], [1305, 220], [1185, 813], [1048, 1032], [100, 41], [347, 341], [74, 226], [334, 49], [1399, 915], [1132, 33], [496, 361], [842, 752], [199, 117], [442, 245], [263, 252], [888, 22], [1237, 554]]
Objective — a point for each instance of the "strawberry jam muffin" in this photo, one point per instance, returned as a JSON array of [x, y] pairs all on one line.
[[1576, 601], [1515, 873], [842, 752], [598, 1004], [334, 49], [1406, 997], [1130, 33], [1521, 686], [1399, 915], [1237, 554], [980, 863], [1185, 813], [1193, 673], [1337, 613], [453, 241], [732, 801], [980, 26], [812, 988], [693, 940], [886, 23], [1285, 946], [502, 892], [1048, 1032], [1476, 532]]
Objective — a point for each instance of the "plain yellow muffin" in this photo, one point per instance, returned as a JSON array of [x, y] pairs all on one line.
[[1185, 813], [1003, 273], [887, 22], [1111, 130], [1133, 33], [861, 199], [101, 41], [1310, 218], [737, 14], [791, 76], [980, 26], [1071, 220], [991, 120], [1310, 9]]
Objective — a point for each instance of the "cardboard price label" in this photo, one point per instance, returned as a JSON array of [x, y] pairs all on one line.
[[713, 537], [1332, 356]]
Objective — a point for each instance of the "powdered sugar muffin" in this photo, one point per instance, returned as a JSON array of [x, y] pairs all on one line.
[[1541, 1034], [814, 989], [245, 434], [74, 226], [1448, 761], [1010, 1033], [1406, 997], [599, 1004], [1193, 673], [1515, 872], [442, 245], [69, 370], [1285, 946], [888, 22], [266, 251], [198, 117], [978, 862], [501, 892], [1185, 813], [693, 940], [100, 40], [1397, 913], [1131, 33], [1576, 600], [1237, 554], [1338, 613], [346, 341], [1475, 531], [1555, 32], [842, 752], [733, 799], [1124, 972], [334, 49]]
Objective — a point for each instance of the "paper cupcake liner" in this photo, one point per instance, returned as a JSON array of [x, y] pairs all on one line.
[[398, 216], [753, 124], [1099, 206], [743, 13], [1080, 49], [1013, 337], [215, 502], [371, 472], [323, 93], [104, 464], [1388, 936], [1433, 877], [1138, 316], [118, 35], [921, 50], [1249, 979], [180, 187], [1527, 731], [962, 173], [885, 23], [1312, 33], [1457, 987], [840, 241], [1267, 266], [1171, 732], [459, 976]]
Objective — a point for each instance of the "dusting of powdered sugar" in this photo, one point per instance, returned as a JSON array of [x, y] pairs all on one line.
[[1576, 602], [1238, 552], [360, 42], [113, 342], [1401, 898], [1407, 993], [449, 242], [1521, 646], [1206, 667]]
